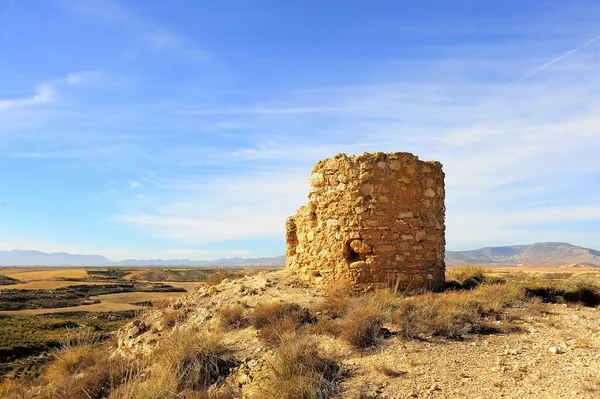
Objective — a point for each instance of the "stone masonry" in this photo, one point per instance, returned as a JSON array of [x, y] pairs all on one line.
[[375, 220]]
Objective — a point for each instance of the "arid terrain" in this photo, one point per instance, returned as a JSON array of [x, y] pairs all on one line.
[[41, 308], [492, 333]]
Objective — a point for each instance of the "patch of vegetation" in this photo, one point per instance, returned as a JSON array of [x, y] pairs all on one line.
[[469, 277], [232, 317], [582, 293], [6, 280], [273, 320], [300, 370], [185, 275], [25, 340], [189, 363], [75, 295], [361, 327], [111, 274]]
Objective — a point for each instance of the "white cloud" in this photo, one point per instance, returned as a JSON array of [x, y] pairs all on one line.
[[134, 184], [44, 93], [200, 210], [82, 77]]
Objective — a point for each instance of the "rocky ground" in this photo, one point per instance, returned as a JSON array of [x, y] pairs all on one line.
[[548, 351]]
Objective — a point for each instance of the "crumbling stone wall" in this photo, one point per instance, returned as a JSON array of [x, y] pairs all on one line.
[[376, 219]]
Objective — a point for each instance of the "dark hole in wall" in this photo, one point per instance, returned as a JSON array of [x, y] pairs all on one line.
[[350, 255]]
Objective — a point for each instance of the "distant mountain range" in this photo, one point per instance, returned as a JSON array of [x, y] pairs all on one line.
[[541, 254], [37, 258]]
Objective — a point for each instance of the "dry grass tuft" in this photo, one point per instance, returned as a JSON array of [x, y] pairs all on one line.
[[197, 358], [463, 273], [265, 314], [232, 317], [454, 314], [84, 372], [337, 299], [582, 292], [362, 325], [170, 317], [220, 275], [277, 318], [299, 370], [327, 326]]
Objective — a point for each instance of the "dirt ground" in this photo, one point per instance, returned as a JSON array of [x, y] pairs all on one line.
[[515, 365], [518, 364]]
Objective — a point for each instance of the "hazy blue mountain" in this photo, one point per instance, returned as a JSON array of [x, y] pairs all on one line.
[[37, 258], [541, 253]]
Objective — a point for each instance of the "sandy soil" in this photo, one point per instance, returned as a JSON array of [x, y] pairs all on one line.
[[29, 274], [512, 365]]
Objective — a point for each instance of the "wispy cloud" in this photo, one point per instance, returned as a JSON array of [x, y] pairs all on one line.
[[559, 58], [146, 31], [44, 93], [266, 111]]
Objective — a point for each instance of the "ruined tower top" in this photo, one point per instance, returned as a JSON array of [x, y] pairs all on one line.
[[375, 219]]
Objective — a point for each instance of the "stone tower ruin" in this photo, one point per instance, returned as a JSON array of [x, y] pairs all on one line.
[[375, 220]]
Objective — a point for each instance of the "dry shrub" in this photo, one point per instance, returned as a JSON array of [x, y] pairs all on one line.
[[569, 291], [84, 372], [220, 275], [159, 383], [299, 370], [453, 314], [271, 313], [170, 317], [11, 388], [326, 326], [197, 358], [189, 362], [273, 333], [232, 317], [362, 325], [462, 273], [337, 299], [275, 319]]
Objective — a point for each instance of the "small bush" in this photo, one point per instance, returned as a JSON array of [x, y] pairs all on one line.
[[454, 314], [469, 277], [273, 333], [232, 317], [220, 275], [170, 317], [362, 325], [337, 299], [197, 358], [299, 370], [271, 313], [583, 292], [326, 325], [273, 320], [84, 372]]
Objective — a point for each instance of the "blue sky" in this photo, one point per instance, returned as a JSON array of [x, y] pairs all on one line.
[[188, 128]]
